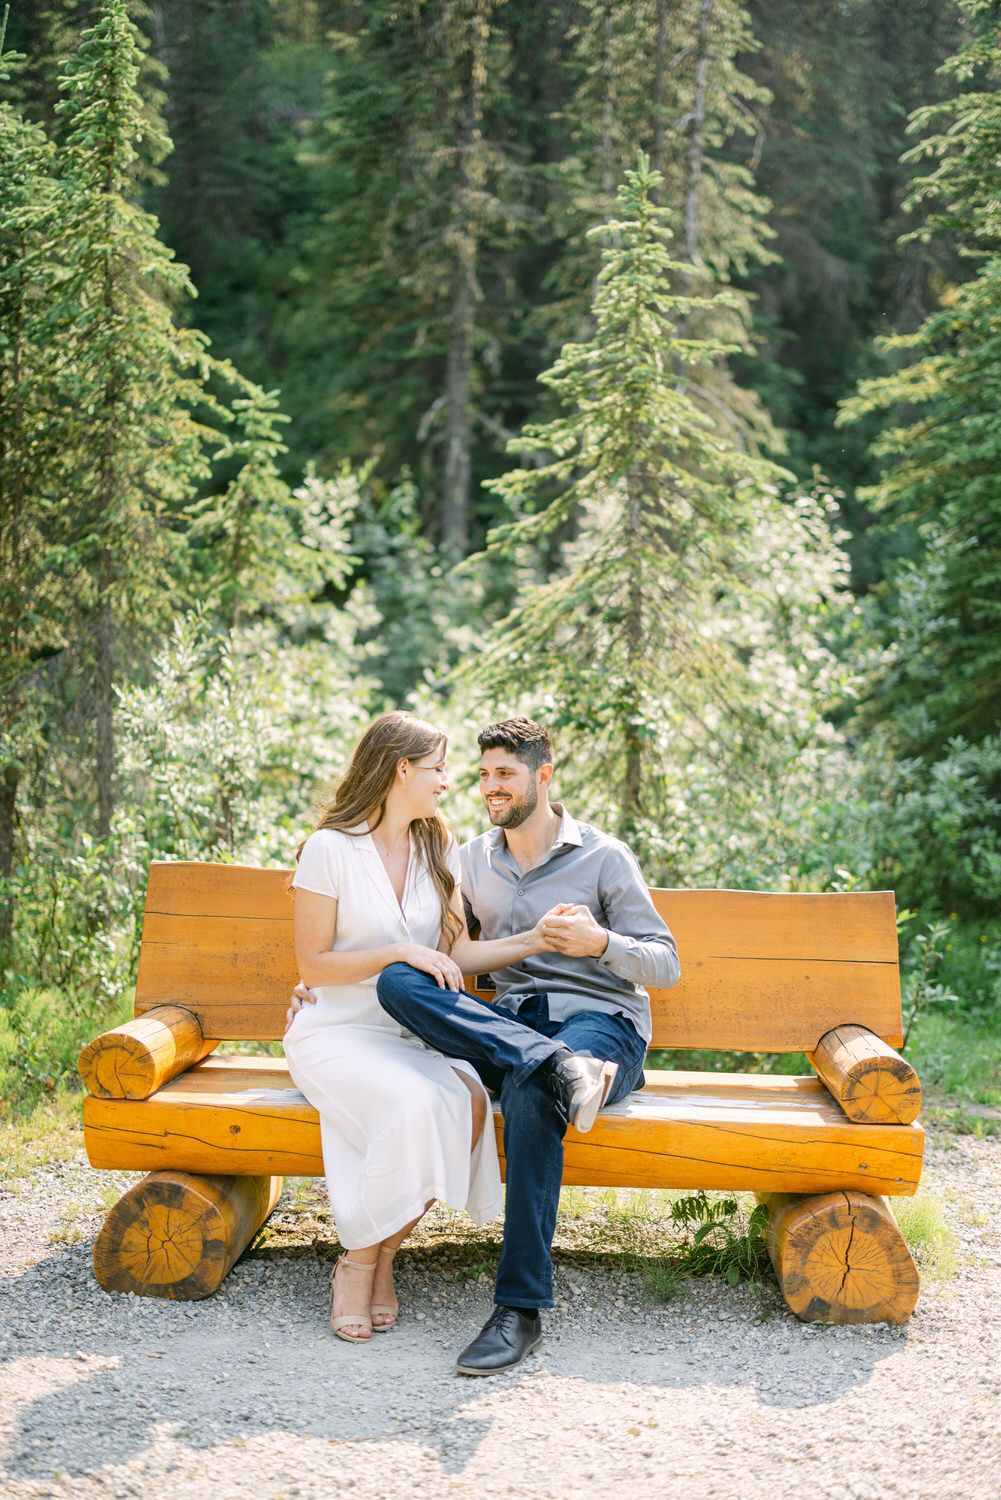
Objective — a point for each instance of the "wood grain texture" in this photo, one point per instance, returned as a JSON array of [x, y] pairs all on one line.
[[840, 1258], [870, 1081], [175, 1235], [686, 1130], [760, 971], [133, 1060]]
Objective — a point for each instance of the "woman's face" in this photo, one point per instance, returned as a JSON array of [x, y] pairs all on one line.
[[426, 782]]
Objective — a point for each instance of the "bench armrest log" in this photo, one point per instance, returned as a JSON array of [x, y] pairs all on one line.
[[873, 1084], [134, 1060]]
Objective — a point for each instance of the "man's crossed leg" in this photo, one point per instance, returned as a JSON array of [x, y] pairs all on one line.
[[547, 1074]]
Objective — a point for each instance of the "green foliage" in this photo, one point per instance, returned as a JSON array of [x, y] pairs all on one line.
[[941, 440], [721, 1238], [921, 989], [930, 832], [661, 643], [933, 1243], [42, 1033]]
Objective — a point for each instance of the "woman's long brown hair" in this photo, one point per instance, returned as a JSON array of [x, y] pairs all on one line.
[[362, 791]]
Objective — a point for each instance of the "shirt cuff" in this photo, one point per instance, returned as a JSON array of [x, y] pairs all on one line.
[[617, 950]]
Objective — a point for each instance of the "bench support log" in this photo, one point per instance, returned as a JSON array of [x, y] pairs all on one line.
[[840, 1258], [873, 1084], [177, 1235], [134, 1060]]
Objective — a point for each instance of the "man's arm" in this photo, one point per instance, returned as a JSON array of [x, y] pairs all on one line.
[[641, 948], [635, 942]]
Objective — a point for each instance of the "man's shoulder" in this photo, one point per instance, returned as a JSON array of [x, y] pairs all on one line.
[[597, 839], [474, 851]]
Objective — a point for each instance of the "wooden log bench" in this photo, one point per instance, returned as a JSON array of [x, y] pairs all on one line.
[[760, 973]]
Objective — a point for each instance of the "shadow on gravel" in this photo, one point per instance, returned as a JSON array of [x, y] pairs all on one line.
[[90, 1381]]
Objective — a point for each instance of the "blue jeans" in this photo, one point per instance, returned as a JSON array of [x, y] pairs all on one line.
[[507, 1051]]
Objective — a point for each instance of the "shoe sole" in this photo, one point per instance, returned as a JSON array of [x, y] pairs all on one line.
[[499, 1369], [587, 1113]]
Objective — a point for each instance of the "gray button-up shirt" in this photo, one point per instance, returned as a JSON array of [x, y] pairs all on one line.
[[590, 869]]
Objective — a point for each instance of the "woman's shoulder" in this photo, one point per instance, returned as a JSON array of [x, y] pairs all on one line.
[[323, 855], [333, 838]]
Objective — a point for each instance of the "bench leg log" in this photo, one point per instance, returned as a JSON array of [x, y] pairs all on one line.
[[840, 1258], [176, 1234]]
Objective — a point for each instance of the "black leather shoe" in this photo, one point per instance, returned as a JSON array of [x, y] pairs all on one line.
[[582, 1084], [506, 1338]]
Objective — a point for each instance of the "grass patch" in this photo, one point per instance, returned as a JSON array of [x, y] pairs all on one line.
[[50, 1131], [932, 1243], [959, 1055]]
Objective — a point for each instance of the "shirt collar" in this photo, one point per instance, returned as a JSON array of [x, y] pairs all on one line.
[[567, 833]]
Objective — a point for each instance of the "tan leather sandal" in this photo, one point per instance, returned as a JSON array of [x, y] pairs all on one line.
[[351, 1320], [385, 1309]]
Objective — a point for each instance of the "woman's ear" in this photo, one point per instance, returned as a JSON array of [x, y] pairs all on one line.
[[402, 769]]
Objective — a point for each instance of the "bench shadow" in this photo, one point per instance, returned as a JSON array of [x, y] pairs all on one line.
[[258, 1358]]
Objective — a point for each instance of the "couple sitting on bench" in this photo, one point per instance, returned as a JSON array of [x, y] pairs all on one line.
[[393, 1053]]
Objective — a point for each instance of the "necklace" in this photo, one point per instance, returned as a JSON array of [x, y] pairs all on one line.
[[389, 854]]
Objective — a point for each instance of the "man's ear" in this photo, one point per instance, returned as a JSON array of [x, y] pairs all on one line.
[[546, 773]]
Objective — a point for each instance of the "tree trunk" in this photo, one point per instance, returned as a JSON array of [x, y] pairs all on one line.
[[608, 173], [104, 678], [696, 148], [8, 814], [458, 429], [659, 78], [459, 373], [632, 692]]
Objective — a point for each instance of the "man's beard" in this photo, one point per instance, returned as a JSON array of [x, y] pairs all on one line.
[[517, 810]]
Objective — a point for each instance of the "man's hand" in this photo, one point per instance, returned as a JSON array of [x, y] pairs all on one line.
[[300, 996], [573, 930]]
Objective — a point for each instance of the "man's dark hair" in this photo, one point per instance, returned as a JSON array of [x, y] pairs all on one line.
[[521, 737]]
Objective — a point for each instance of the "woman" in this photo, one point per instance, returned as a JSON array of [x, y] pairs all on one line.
[[377, 883]]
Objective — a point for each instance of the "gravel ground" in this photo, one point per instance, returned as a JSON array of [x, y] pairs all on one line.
[[707, 1397]]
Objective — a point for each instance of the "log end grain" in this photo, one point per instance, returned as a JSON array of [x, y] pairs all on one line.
[[840, 1258], [133, 1060], [873, 1084], [176, 1235]]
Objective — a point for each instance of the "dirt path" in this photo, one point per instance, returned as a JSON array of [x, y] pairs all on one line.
[[107, 1396]]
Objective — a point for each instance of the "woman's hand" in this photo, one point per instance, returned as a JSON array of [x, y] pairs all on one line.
[[542, 943], [299, 997], [443, 970]]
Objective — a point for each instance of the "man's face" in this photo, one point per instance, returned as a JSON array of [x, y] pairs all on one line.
[[510, 790]]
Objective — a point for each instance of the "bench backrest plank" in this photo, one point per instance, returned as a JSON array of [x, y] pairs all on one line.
[[761, 972]]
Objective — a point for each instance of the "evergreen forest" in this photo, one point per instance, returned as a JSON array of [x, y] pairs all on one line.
[[632, 364]]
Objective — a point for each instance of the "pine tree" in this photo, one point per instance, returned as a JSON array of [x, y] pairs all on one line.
[[33, 441], [941, 449], [649, 646], [150, 403], [669, 79], [395, 328]]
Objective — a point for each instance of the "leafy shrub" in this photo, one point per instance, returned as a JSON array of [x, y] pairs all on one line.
[[42, 1032]]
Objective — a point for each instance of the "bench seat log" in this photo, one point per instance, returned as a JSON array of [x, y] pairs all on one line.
[[177, 1235], [133, 1060], [870, 1081], [840, 1258], [684, 1130]]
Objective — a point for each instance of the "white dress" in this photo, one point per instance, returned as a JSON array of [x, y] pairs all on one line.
[[395, 1121]]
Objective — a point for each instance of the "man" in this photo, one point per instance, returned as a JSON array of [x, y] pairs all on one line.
[[587, 994]]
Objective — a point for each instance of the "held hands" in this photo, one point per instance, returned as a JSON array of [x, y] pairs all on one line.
[[573, 930]]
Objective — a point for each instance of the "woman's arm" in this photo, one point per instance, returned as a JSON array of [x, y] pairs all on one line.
[[315, 925], [477, 957]]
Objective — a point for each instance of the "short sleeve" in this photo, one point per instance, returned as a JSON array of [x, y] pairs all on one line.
[[453, 862], [319, 866]]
